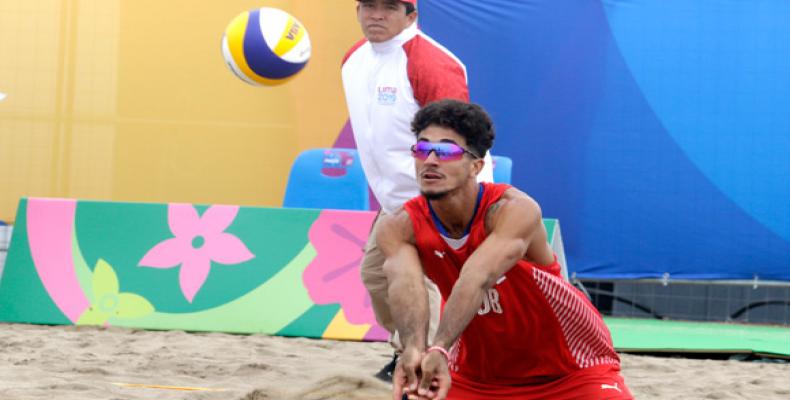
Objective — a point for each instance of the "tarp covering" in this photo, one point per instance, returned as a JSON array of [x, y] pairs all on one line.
[[657, 131]]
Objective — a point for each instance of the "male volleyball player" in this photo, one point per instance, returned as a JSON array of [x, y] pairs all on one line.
[[512, 327]]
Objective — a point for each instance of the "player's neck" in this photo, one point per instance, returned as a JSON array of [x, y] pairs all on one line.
[[456, 209]]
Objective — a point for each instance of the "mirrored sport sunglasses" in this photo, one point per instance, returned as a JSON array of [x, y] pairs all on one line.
[[445, 151]]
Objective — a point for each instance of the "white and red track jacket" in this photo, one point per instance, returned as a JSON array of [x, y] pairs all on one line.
[[385, 84]]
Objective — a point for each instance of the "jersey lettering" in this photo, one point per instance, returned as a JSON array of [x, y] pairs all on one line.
[[490, 303]]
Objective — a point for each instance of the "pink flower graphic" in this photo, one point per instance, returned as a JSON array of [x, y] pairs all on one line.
[[333, 276], [198, 240]]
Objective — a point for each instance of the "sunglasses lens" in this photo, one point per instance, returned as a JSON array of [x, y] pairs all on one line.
[[444, 151], [421, 150], [449, 152]]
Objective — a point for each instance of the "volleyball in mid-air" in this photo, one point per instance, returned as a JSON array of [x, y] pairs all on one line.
[[265, 46]]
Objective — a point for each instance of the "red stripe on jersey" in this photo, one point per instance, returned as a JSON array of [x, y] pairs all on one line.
[[434, 72], [586, 335]]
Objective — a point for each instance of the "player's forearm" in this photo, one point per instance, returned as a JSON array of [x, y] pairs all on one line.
[[460, 308], [480, 273], [409, 307]]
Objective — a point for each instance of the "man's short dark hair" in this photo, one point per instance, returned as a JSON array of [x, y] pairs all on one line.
[[467, 119]]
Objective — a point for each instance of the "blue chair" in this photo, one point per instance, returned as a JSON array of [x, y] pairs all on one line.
[[327, 178], [503, 167]]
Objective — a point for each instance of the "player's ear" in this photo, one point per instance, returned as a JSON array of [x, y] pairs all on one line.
[[477, 166]]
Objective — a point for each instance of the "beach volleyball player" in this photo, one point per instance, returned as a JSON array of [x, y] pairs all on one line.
[[512, 327]]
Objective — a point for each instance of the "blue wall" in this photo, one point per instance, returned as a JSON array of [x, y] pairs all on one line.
[[657, 131]]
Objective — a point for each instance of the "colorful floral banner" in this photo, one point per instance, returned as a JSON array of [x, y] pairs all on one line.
[[292, 272]]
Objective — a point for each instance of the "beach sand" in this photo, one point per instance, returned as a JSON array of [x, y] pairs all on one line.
[[81, 363]]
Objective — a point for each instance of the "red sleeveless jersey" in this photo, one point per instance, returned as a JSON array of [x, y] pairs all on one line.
[[533, 328]]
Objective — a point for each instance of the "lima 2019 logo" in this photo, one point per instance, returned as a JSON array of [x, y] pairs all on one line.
[[387, 95]]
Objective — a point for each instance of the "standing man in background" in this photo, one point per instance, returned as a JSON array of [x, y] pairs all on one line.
[[387, 77]]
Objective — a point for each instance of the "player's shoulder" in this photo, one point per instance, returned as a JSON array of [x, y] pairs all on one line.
[[514, 204], [396, 226], [514, 194], [354, 49], [517, 198]]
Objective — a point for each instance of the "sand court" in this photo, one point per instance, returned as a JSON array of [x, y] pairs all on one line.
[[77, 363]]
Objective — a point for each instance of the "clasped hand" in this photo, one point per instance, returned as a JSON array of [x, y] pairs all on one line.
[[421, 376]]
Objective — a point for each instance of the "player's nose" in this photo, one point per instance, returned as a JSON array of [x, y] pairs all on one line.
[[432, 158]]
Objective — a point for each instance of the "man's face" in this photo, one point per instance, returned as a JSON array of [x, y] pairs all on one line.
[[438, 177], [381, 20]]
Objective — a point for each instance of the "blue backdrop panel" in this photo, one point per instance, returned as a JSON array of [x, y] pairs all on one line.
[[657, 131]]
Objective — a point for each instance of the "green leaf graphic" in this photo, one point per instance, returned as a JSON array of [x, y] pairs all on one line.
[[92, 316], [104, 280], [133, 306]]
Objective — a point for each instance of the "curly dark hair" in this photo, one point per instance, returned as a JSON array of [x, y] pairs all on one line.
[[467, 119]]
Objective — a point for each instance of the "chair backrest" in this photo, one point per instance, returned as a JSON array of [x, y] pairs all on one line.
[[327, 178], [503, 167]]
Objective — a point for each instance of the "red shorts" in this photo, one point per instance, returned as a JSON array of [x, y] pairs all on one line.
[[602, 382]]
